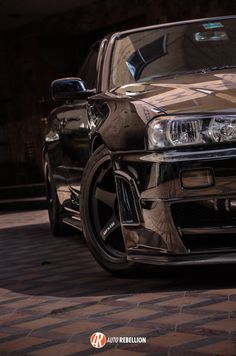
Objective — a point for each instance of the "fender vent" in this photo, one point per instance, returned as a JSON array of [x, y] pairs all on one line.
[[128, 201]]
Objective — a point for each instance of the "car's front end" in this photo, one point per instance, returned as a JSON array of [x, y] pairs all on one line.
[[177, 193], [179, 205]]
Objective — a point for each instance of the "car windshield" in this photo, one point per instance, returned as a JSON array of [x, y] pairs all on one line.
[[168, 51]]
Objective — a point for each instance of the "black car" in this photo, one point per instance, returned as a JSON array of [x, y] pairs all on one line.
[[141, 152]]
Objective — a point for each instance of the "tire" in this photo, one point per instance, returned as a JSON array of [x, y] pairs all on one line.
[[100, 215], [55, 210]]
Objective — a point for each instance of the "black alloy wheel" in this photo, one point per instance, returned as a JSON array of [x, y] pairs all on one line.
[[100, 214], [104, 211]]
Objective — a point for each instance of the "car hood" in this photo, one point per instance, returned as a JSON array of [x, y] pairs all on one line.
[[189, 93]]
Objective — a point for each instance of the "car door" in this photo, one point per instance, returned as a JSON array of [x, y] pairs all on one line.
[[74, 131], [54, 158]]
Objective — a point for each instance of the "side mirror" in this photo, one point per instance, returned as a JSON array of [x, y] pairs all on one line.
[[69, 89]]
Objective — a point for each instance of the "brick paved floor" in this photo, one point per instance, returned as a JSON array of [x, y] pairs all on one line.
[[53, 296]]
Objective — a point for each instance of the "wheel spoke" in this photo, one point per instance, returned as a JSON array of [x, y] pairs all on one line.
[[112, 224], [105, 197]]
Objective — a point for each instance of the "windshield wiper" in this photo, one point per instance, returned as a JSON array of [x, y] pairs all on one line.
[[194, 71], [211, 69], [171, 75]]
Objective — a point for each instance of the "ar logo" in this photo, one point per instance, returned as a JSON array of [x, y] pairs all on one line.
[[98, 340]]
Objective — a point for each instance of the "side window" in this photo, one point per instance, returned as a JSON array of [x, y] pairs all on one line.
[[89, 68]]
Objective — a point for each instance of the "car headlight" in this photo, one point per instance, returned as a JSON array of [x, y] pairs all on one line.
[[171, 131], [223, 128]]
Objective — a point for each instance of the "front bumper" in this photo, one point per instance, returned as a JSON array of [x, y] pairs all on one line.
[[164, 223]]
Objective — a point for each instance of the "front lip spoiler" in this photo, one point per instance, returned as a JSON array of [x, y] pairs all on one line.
[[185, 260]]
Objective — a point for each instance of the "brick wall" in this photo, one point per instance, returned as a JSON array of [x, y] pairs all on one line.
[[32, 56]]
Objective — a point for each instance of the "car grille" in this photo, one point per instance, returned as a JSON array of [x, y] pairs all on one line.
[[205, 226]]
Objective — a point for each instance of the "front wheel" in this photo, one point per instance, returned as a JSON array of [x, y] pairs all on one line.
[[100, 214]]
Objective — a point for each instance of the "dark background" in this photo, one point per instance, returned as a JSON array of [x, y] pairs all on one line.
[[46, 39]]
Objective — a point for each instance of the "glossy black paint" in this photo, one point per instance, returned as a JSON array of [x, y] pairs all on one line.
[[118, 119]]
